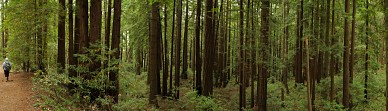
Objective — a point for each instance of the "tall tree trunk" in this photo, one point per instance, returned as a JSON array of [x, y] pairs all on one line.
[[309, 96], [351, 64], [327, 39], [346, 92], [95, 38], [315, 72], [95, 30], [61, 36], [198, 62], [386, 52], [184, 67], [165, 64], [265, 32], [178, 49], [159, 90], [77, 34], [366, 53], [3, 29], [84, 24], [71, 39], [153, 50], [332, 57], [113, 76], [221, 45], [241, 58], [228, 45], [209, 50], [252, 51], [172, 47], [299, 46], [285, 50], [40, 37], [108, 15]]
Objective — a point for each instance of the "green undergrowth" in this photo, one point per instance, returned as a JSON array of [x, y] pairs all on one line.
[[134, 93]]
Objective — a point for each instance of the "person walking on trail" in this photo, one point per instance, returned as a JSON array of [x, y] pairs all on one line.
[[7, 67]]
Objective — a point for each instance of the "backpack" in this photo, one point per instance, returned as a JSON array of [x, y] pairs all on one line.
[[7, 66]]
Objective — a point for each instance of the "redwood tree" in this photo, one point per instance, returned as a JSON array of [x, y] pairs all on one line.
[[299, 46], [332, 57], [346, 93], [61, 36], [351, 64], [178, 48], [71, 42], [165, 62], [265, 56], [209, 50], [198, 62], [95, 30], [241, 57], [113, 76], [386, 51], [184, 65], [153, 50]]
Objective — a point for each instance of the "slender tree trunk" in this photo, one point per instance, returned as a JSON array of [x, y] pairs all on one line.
[[95, 38], [252, 51], [172, 47], [153, 50], [309, 98], [315, 72], [40, 38], [386, 52], [113, 76], [198, 62], [178, 48], [77, 34], [241, 58], [95, 31], [246, 51], [71, 40], [209, 50], [83, 28], [299, 46], [351, 64], [346, 92], [108, 15], [184, 67], [159, 61], [61, 36], [165, 64], [327, 38], [222, 45], [226, 44], [284, 51], [287, 34], [216, 27], [265, 32], [3, 30], [332, 61], [366, 53]]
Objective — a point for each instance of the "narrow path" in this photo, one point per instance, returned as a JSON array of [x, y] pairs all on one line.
[[16, 94]]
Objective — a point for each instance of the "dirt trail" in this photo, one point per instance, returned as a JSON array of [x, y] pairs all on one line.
[[16, 94]]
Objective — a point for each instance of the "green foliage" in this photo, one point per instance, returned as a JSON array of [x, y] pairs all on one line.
[[85, 91], [24, 20], [134, 91], [202, 102]]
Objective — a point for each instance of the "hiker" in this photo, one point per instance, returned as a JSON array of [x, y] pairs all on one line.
[[7, 67]]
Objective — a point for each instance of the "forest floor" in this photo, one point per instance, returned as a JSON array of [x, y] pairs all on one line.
[[16, 94]]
